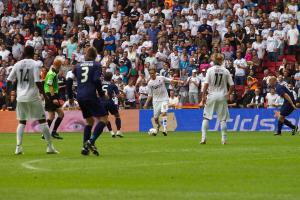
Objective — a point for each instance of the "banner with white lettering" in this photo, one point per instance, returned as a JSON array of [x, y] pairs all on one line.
[[240, 120]]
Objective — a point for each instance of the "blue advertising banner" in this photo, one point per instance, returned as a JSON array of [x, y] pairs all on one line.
[[240, 120]]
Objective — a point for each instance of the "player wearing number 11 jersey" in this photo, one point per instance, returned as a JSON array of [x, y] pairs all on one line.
[[215, 94], [88, 85]]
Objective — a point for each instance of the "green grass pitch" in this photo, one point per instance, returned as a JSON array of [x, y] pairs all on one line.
[[253, 166]]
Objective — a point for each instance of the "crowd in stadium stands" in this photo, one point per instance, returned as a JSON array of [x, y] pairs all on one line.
[[258, 38]]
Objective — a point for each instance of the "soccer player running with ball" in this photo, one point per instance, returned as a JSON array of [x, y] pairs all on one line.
[[111, 104], [52, 104], [287, 108], [160, 98], [89, 87], [215, 95], [29, 105]]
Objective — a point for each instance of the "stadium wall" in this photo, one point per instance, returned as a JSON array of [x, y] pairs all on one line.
[[72, 122], [178, 120]]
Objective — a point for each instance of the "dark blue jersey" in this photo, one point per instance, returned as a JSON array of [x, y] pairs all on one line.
[[280, 90], [111, 89], [88, 80]]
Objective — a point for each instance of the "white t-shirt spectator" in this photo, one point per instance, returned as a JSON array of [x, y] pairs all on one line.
[[130, 93], [292, 36], [175, 59], [272, 44], [192, 87], [173, 101], [260, 49], [271, 99], [240, 62], [58, 6]]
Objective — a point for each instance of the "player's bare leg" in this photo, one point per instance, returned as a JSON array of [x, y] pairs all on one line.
[[223, 132], [164, 123], [156, 120], [20, 133], [204, 130], [90, 144], [87, 135]]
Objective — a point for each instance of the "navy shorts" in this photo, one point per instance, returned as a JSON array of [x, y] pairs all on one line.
[[92, 108], [286, 109], [110, 107]]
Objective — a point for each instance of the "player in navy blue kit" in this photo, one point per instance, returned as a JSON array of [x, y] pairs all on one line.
[[287, 108], [111, 104], [89, 84]]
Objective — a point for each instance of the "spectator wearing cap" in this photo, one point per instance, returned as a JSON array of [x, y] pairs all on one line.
[[194, 84]]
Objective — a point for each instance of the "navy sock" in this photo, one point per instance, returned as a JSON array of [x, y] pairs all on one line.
[[118, 123], [279, 127], [87, 133], [108, 125], [289, 124], [97, 131], [49, 122], [56, 124]]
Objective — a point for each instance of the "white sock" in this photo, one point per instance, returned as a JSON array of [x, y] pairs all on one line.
[[204, 129], [164, 122], [223, 130], [20, 132], [46, 132]]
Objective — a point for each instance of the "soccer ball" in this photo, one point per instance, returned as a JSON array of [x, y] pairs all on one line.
[[152, 131]]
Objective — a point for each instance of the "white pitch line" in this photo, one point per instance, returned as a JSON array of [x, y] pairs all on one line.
[[29, 165]]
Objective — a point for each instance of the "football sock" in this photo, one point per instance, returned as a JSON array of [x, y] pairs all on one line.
[[279, 127], [118, 123], [204, 129], [46, 132], [97, 131], [49, 122], [164, 123], [108, 125], [223, 130], [20, 132], [289, 124], [87, 133], [56, 124]]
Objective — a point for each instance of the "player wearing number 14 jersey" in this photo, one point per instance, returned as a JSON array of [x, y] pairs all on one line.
[[88, 85], [215, 94]]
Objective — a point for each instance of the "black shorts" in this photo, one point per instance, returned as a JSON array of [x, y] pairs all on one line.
[[110, 106], [92, 108], [286, 109], [49, 105]]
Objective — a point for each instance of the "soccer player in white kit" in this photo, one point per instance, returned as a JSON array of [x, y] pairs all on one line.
[[29, 106], [160, 98], [215, 95]]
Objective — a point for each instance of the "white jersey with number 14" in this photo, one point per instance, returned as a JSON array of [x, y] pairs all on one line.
[[27, 73]]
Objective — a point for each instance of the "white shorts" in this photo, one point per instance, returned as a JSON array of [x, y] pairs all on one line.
[[218, 106], [33, 110], [160, 107]]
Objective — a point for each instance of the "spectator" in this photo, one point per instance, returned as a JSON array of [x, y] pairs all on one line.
[[292, 36], [173, 100], [71, 104], [271, 98], [232, 101], [257, 101], [143, 93], [194, 84], [240, 66], [130, 94]]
